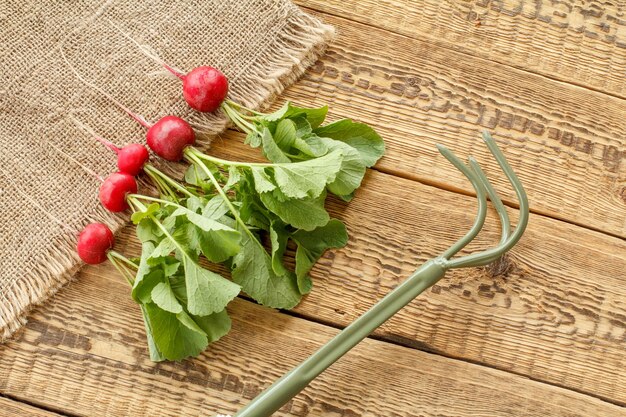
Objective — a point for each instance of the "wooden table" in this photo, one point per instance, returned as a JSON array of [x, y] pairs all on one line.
[[540, 333]]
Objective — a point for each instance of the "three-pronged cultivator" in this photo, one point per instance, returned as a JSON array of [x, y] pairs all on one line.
[[281, 391]]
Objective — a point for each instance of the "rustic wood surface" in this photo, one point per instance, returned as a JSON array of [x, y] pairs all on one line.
[[578, 42], [85, 355], [543, 332], [553, 309]]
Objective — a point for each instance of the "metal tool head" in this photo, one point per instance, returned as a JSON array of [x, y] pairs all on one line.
[[483, 188]]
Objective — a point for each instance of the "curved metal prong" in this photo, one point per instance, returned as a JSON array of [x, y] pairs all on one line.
[[495, 199], [485, 257], [482, 202], [500, 209]]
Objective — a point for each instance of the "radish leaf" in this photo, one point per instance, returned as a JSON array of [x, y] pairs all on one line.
[[358, 135], [173, 338], [278, 237], [311, 245], [315, 116], [306, 213], [309, 178], [254, 272], [207, 292], [164, 297]]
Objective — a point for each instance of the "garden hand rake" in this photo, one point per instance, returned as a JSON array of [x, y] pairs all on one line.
[[285, 388]]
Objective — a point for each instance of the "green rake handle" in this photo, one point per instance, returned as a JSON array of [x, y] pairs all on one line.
[[289, 385]]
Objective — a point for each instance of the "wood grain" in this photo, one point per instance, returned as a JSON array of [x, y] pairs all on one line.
[[566, 143], [579, 42], [553, 310], [11, 408], [90, 342]]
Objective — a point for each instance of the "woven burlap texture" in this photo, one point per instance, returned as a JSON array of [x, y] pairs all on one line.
[[49, 166]]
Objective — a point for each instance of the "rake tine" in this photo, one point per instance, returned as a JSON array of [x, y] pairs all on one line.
[[495, 199], [482, 202], [485, 257], [500, 209]]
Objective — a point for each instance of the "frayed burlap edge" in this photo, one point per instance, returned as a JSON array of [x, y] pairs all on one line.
[[301, 44]]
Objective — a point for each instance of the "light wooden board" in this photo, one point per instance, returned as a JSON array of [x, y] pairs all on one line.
[[567, 143], [85, 354], [10, 408], [576, 42]]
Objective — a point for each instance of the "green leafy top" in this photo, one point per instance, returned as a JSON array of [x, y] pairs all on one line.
[[293, 134], [182, 302], [228, 212]]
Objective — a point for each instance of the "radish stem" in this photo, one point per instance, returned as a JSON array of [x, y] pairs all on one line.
[[157, 200], [173, 71], [240, 106], [168, 180], [123, 270], [237, 120], [190, 155], [123, 259], [134, 199], [205, 157], [163, 187]]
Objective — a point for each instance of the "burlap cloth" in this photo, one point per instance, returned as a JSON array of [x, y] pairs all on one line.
[[48, 166]]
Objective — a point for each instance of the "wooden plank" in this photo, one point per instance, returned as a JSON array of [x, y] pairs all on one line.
[[553, 310], [10, 408], [567, 143], [85, 353], [575, 42]]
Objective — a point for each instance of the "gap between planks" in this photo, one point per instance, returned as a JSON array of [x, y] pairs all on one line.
[[448, 187], [567, 154], [193, 376], [408, 343], [399, 341], [513, 204], [29, 408]]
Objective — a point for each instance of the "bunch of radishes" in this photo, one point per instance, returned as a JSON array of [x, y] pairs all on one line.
[[204, 89], [221, 209], [180, 318]]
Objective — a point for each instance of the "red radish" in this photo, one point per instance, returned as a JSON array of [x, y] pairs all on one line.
[[131, 158], [169, 137], [94, 242], [204, 88], [114, 189]]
